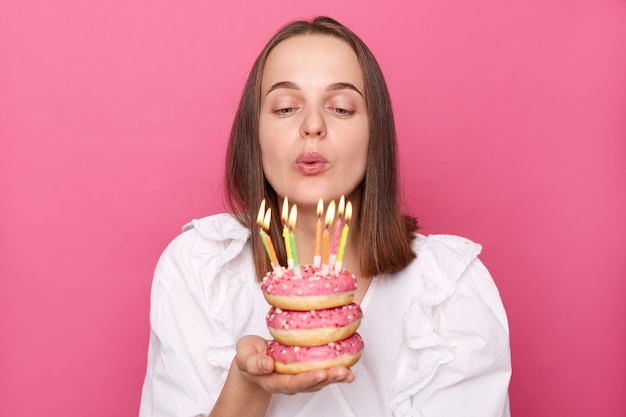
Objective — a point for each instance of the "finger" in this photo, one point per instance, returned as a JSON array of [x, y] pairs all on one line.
[[251, 356], [335, 375], [258, 364], [292, 384], [250, 344], [340, 374]]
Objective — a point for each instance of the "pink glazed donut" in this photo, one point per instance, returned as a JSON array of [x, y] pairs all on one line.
[[312, 291], [296, 359], [314, 327]]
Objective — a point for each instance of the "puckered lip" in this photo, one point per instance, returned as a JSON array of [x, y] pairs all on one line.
[[311, 163]]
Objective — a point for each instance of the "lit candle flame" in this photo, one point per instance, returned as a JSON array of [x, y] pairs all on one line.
[[266, 220], [259, 218], [330, 214], [342, 203], [348, 211], [285, 212], [293, 216], [320, 208]]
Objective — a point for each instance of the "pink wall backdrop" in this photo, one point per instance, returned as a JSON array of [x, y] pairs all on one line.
[[113, 123]]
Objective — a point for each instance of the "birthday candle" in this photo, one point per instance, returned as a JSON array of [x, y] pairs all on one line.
[[337, 233], [285, 218], [270, 245], [330, 214], [292, 238], [317, 255], [264, 223], [259, 221], [344, 238]]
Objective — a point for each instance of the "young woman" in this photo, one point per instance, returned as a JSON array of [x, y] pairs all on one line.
[[315, 121]]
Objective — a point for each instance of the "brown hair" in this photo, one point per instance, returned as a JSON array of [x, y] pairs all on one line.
[[385, 233]]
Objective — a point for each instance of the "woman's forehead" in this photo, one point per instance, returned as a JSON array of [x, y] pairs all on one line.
[[308, 60]]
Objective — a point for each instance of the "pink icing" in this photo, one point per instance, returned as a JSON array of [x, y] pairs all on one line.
[[312, 282], [331, 317], [284, 353]]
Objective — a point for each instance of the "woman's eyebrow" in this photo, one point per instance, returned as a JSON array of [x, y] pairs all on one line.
[[332, 87], [342, 86], [283, 84]]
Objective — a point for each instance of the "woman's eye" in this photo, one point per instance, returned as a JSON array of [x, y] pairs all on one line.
[[285, 111], [341, 112]]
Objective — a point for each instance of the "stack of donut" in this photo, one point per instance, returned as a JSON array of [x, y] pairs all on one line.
[[313, 320]]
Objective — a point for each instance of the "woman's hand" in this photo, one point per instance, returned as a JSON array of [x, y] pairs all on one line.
[[257, 367], [251, 381]]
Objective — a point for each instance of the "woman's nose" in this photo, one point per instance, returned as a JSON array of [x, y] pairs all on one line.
[[313, 125]]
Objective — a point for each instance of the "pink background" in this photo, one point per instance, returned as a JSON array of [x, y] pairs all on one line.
[[113, 123]]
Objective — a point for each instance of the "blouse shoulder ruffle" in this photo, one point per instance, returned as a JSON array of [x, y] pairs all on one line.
[[219, 241], [441, 261]]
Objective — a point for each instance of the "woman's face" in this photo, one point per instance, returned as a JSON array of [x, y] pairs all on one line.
[[314, 129]]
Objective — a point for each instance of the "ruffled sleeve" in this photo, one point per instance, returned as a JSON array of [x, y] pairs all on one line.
[[201, 300], [456, 334]]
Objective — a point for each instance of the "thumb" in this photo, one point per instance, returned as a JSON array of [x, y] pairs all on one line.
[[265, 364]]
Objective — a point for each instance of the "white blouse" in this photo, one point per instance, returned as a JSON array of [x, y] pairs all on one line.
[[436, 333]]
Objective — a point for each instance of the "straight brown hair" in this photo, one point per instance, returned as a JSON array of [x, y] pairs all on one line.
[[385, 233]]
